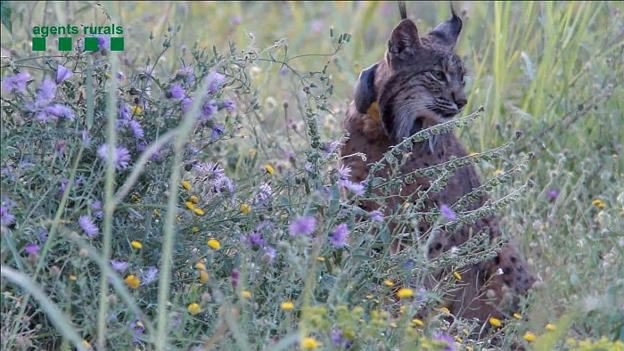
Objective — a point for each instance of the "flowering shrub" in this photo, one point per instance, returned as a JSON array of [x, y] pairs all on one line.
[[151, 197]]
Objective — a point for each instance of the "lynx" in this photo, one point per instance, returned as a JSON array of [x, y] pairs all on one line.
[[420, 83]]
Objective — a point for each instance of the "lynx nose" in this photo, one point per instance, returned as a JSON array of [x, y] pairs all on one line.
[[460, 100]]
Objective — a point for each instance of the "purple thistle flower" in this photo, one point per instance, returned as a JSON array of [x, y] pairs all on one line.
[[96, 206], [103, 42], [32, 249], [186, 72], [176, 92], [235, 20], [45, 92], [217, 131], [186, 104], [207, 110], [137, 330], [448, 212], [120, 75], [88, 226], [377, 216], [344, 172], [124, 112], [5, 216], [62, 74], [62, 187], [336, 337], [234, 276], [119, 266], [265, 193], [215, 80], [229, 105], [269, 254], [449, 341], [43, 236], [149, 275], [137, 129], [356, 188], [58, 110], [15, 83], [340, 235], [302, 226], [121, 156], [254, 240], [330, 148], [552, 194]]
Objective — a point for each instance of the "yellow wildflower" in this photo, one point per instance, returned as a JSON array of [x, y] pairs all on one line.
[[186, 185], [203, 276], [495, 322], [517, 315], [214, 244], [86, 345], [245, 208], [550, 327], [417, 322], [599, 203], [309, 343], [287, 306], [388, 282], [195, 230], [132, 281], [194, 199], [73, 278], [136, 244], [269, 169], [198, 211], [444, 310], [190, 205], [193, 308], [156, 213], [320, 259], [498, 172], [251, 153], [135, 198], [200, 266], [136, 110], [405, 292], [528, 336], [457, 275], [246, 294], [369, 296], [458, 339]]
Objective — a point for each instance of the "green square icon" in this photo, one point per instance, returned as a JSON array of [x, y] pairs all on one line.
[[91, 44], [117, 44], [65, 44], [38, 44]]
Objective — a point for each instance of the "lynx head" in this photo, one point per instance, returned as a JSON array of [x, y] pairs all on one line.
[[420, 82]]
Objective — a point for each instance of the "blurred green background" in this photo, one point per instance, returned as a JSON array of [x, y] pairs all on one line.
[[531, 64]]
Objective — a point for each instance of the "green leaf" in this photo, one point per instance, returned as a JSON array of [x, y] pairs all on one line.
[[5, 15]]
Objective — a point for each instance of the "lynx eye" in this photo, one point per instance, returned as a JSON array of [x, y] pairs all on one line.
[[439, 75]]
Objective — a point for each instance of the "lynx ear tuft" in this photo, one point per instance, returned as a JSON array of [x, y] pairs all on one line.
[[365, 93], [403, 38], [446, 33]]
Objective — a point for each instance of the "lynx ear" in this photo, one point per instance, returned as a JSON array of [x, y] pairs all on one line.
[[365, 93], [404, 39], [446, 33]]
